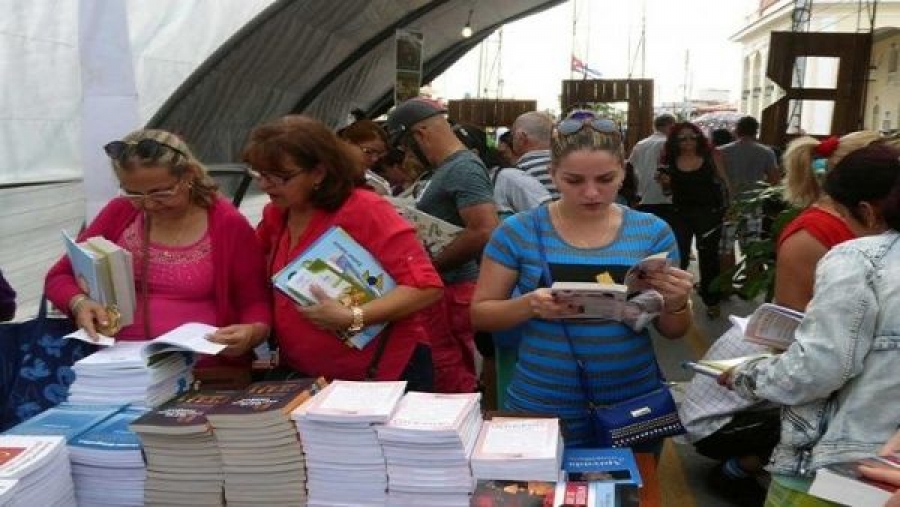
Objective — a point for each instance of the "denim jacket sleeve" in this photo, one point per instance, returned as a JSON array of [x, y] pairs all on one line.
[[831, 342]]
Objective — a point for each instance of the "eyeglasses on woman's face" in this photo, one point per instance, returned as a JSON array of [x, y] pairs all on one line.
[[147, 149], [572, 125], [273, 179], [161, 195], [687, 137]]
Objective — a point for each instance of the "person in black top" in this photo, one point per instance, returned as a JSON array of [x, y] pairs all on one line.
[[694, 174]]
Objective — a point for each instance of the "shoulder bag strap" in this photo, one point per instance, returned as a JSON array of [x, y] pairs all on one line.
[[580, 367]]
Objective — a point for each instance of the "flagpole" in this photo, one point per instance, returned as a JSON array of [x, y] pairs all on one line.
[[574, 27]]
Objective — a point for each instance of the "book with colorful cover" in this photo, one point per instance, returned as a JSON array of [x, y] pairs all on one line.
[[344, 270], [601, 464], [185, 414], [503, 493], [595, 494], [113, 433], [266, 401], [67, 420]]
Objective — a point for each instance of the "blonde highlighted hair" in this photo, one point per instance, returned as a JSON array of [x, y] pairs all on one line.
[[182, 164], [802, 186]]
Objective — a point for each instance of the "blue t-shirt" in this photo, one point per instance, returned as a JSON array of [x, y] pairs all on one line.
[[620, 361]]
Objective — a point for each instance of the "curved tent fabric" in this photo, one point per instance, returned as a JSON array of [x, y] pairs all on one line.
[[322, 58]]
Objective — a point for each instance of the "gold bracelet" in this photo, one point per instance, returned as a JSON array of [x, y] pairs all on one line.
[[76, 302], [681, 311], [359, 318]]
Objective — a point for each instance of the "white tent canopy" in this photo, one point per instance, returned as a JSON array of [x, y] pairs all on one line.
[[212, 69]]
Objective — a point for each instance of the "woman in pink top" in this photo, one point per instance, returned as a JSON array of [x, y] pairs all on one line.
[[196, 258]]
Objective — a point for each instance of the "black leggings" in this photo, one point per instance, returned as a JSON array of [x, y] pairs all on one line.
[[706, 225], [751, 433]]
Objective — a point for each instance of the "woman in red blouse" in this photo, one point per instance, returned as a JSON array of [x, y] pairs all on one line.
[[308, 174]]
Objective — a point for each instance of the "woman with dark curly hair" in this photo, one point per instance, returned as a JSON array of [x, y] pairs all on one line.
[[700, 189]]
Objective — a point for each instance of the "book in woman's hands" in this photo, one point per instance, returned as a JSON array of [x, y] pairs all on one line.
[[633, 302], [716, 367], [105, 271], [770, 325], [189, 337], [344, 270]]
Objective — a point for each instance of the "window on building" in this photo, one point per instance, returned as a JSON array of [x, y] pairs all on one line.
[[893, 57]]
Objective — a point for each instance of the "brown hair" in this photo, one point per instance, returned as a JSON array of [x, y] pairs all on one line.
[[203, 189], [362, 131], [309, 144]]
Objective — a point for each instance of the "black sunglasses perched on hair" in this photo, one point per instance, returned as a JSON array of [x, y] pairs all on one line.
[[145, 148], [572, 125]]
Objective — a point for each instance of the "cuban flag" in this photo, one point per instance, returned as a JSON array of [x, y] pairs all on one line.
[[584, 70]]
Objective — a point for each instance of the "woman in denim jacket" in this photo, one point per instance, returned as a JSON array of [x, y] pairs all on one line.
[[838, 382]]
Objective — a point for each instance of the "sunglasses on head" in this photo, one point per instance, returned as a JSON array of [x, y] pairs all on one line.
[[572, 125], [150, 149]]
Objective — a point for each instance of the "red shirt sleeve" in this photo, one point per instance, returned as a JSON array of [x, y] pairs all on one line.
[[377, 226]]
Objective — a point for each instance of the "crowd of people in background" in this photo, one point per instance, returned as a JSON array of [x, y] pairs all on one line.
[[550, 200]]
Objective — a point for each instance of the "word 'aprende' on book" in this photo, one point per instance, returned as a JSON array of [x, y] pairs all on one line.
[[105, 271], [601, 464], [344, 270], [770, 325], [433, 232], [716, 367], [633, 302], [842, 482]]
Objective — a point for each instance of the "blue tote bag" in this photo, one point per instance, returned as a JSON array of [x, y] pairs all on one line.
[[36, 365]]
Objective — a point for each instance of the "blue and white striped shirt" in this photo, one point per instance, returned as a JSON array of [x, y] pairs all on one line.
[[620, 362]]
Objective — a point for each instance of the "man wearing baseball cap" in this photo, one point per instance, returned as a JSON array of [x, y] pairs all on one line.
[[459, 192]]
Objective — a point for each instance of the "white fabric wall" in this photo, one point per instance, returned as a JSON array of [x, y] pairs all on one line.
[[40, 81]]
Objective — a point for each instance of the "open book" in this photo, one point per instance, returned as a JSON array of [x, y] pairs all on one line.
[[433, 232], [190, 337], [105, 271], [342, 268], [770, 325], [716, 367], [632, 302]]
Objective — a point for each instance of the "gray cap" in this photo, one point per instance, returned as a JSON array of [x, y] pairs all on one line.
[[402, 119]]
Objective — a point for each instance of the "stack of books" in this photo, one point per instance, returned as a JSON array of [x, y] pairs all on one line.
[[261, 454], [108, 463], [345, 464], [8, 489], [600, 476], [144, 374], [427, 446], [183, 462], [71, 422], [518, 449], [40, 466], [120, 374]]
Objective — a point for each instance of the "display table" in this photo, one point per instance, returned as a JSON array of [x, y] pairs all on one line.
[[650, 492]]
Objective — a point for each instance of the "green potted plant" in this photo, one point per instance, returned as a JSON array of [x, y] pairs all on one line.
[[754, 272]]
